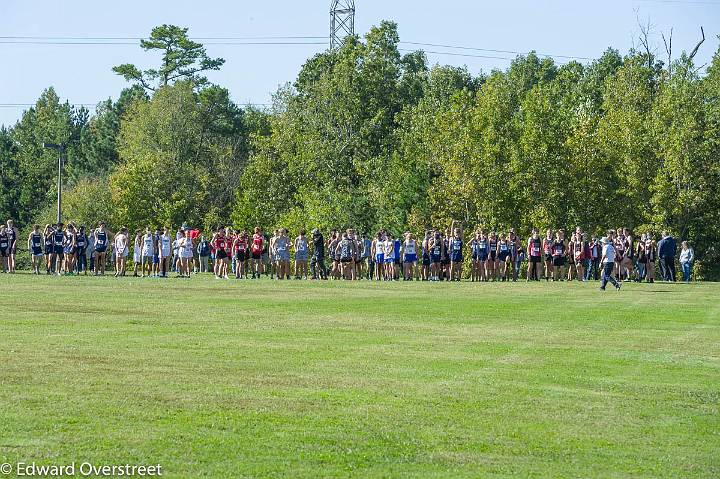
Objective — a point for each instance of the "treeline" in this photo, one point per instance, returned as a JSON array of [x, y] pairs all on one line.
[[371, 138]]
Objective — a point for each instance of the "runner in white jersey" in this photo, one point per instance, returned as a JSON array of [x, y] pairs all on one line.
[[148, 251], [120, 246], [389, 248], [187, 253], [377, 249], [409, 257], [165, 252], [137, 252]]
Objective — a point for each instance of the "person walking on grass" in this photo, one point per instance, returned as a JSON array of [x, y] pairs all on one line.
[[608, 264], [687, 257]]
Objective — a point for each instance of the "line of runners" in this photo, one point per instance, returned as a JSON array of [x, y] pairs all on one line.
[[439, 255]]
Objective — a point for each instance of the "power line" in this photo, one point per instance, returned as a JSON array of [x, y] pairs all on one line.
[[60, 38], [680, 2], [236, 41], [457, 47], [108, 42], [94, 105], [457, 54]]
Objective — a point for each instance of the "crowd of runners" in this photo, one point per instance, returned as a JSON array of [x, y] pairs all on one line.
[[448, 255]]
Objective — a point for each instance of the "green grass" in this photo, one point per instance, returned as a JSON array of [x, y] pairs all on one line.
[[258, 379]]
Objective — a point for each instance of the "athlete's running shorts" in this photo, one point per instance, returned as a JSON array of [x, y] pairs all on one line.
[[558, 261], [535, 259], [410, 258]]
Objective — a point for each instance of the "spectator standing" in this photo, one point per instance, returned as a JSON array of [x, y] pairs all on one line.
[[203, 251], [667, 248], [687, 257]]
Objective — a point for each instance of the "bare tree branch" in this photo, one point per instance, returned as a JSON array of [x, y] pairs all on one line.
[[697, 47], [645, 31], [668, 49]]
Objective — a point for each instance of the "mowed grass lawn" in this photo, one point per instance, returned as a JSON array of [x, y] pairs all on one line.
[[298, 379]]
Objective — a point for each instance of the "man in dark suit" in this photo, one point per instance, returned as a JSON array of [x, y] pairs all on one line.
[[667, 248]]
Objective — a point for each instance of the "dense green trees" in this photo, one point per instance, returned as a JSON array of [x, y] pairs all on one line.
[[369, 137], [182, 154]]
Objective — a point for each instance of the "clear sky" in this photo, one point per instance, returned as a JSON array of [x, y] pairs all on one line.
[[82, 73]]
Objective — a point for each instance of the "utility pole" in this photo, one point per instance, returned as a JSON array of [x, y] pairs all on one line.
[[61, 152], [342, 21]]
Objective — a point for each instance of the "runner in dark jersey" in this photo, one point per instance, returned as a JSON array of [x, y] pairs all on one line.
[[547, 253], [559, 252], [58, 238], [317, 263], [534, 252], [475, 262], [456, 252], [4, 249], [13, 235], [35, 247], [102, 240], [81, 253], [493, 263]]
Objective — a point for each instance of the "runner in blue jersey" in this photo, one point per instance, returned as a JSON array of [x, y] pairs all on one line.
[[456, 251]]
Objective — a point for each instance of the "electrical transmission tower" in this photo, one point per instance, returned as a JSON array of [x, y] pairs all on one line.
[[342, 21]]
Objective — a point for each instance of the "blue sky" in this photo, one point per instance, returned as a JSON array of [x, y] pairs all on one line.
[[82, 73]]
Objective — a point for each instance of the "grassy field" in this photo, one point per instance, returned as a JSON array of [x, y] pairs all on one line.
[[257, 379]]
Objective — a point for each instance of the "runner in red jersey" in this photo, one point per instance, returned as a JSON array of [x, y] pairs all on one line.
[[256, 250]]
